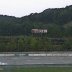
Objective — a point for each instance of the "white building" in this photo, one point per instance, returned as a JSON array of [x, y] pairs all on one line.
[[39, 30]]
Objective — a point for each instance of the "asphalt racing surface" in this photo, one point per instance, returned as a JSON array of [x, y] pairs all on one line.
[[35, 58]]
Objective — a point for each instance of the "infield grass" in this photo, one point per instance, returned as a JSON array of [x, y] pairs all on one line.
[[42, 69]]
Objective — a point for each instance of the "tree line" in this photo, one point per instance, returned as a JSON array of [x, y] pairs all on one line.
[[31, 43]]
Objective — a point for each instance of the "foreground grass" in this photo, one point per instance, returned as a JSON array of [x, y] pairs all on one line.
[[43, 69]]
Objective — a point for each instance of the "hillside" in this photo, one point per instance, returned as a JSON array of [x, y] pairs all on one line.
[[16, 36], [57, 15], [52, 19]]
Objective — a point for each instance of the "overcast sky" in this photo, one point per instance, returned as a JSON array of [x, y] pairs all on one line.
[[21, 8]]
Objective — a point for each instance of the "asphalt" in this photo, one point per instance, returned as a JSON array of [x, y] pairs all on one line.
[[35, 58]]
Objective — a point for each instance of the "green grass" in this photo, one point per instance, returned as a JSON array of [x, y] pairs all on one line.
[[42, 69]]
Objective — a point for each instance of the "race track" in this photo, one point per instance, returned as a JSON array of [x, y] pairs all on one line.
[[35, 59]]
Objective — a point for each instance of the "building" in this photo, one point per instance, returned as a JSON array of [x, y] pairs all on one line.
[[39, 30]]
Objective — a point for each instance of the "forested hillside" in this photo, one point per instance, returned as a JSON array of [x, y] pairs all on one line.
[[15, 33], [52, 19]]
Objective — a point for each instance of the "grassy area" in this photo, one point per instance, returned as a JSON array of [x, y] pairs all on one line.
[[42, 69]]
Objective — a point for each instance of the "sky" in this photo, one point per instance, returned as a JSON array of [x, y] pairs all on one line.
[[19, 8]]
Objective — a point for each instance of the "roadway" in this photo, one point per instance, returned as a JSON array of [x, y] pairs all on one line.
[[35, 58]]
